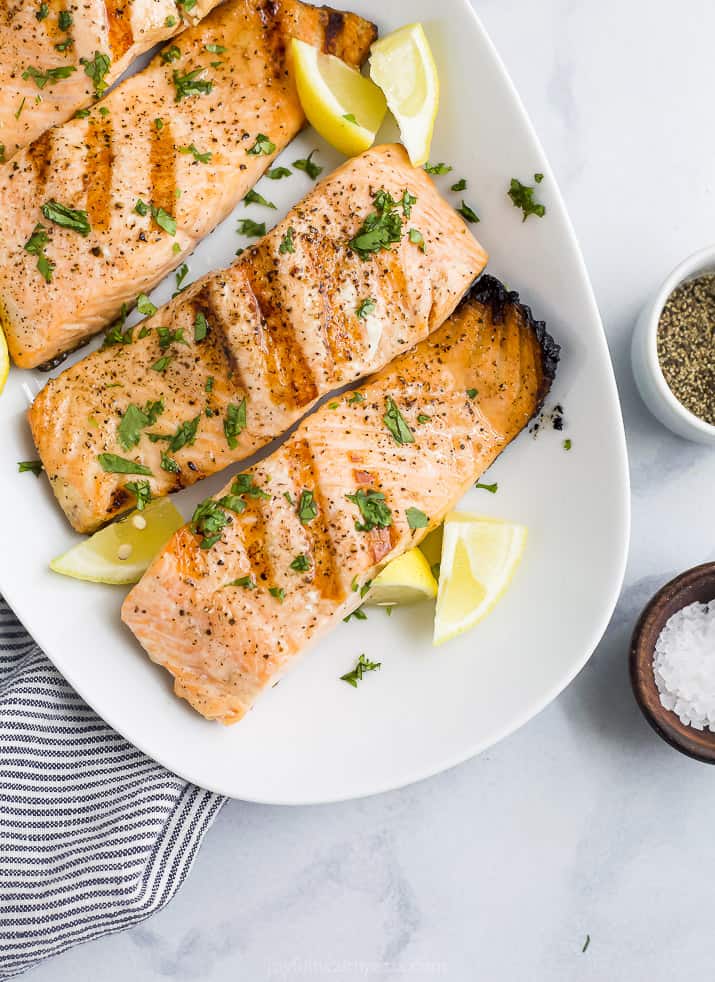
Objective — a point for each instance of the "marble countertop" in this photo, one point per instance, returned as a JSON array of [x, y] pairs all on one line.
[[583, 822]]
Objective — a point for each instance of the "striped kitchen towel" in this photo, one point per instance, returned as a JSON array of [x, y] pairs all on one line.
[[94, 836]]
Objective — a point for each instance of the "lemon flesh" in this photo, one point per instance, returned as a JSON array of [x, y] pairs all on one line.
[[403, 66], [406, 580], [479, 558], [137, 538], [4, 361], [343, 106]]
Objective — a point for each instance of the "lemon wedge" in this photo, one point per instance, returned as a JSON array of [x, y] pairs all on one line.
[[479, 557], [403, 66], [4, 361], [346, 108], [406, 580], [122, 551]]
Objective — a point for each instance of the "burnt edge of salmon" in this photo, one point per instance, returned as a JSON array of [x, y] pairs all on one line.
[[491, 292]]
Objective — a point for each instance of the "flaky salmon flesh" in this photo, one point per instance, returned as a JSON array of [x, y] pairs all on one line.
[[238, 357], [57, 57], [99, 209], [281, 555]]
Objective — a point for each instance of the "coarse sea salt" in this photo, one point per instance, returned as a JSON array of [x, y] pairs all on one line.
[[684, 665]]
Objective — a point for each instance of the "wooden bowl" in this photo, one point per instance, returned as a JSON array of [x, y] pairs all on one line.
[[697, 584]]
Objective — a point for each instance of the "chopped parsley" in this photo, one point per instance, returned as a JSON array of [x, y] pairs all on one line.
[[395, 422], [65, 20], [262, 146], [313, 170], [235, 423], [288, 497], [416, 519], [461, 185], [190, 84], [185, 435], [115, 333], [567, 444], [366, 307], [186, 4], [164, 220], [161, 364], [141, 207], [469, 214], [66, 217], [356, 397], [181, 274], [416, 238], [375, 513], [112, 464], [472, 393], [34, 466], [359, 615], [169, 464], [278, 592], [307, 507], [48, 77], [141, 491], [287, 244], [145, 306], [245, 581], [215, 49], [172, 53], [245, 484], [423, 418], [350, 118], [522, 196], [202, 158], [538, 178], [363, 665], [276, 173], [254, 198], [168, 337], [42, 11], [170, 22], [209, 384], [491, 488], [438, 168], [135, 420], [209, 520], [65, 46], [251, 229], [201, 327], [300, 564], [381, 228], [35, 245], [96, 70]]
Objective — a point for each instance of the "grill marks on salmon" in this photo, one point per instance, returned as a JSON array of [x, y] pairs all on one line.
[[223, 642], [119, 154], [283, 330], [119, 29]]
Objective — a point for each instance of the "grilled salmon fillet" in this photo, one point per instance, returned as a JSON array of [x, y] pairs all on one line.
[[296, 316], [48, 55], [152, 168], [277, 559]]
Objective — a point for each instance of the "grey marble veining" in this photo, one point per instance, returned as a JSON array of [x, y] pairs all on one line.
[[582, 822]]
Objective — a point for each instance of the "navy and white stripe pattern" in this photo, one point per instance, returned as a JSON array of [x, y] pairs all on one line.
[[94, 836]]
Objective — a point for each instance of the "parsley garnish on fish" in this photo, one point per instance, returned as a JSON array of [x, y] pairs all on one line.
[[96, 70], [522, 196], [172, 53], [164, 220], [42, 12], [215, 49], [169, 464], [423, 418], [251, 229], [167, 337], [254, 198], [34, 466], [202, 158], [491, 488], [135, 420], [538, 178], [185, 435], [115, 333], [112, 464], [469, 214], [278, 592], [209, 520], [48, 77], [190, 84], [246, 484], [66, 217], [161, 364], [181, 274], [235, 423], [438, 168], [35, 245], [306, 164], [145, 306], [407, 201], [287, 244], [356, 397], [374, 511], [472, 393], [209, 384], [366, 307], [567, 444], [201, 327], [141, 491], [416, 238], [381, 228], [245, 581], [395, 422], [64, 20], [170, 22], [461, 185], [65, 45], [363, 665], [276, 173], [262, 146], [2, 153], [416, 519], [300, 564], [82, 114], [359, 615], [307, 507], [141, 207]]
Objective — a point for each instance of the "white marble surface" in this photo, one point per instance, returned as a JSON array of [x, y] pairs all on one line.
[[583, 822]]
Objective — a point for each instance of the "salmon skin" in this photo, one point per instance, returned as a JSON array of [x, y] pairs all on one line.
[[298, 315], [49, 67], [283, 553], [152, 169]]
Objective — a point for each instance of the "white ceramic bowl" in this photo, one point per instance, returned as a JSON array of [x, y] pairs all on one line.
[[644, 355]]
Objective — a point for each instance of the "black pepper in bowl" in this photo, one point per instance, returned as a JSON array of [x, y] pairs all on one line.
[[686, 345]]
